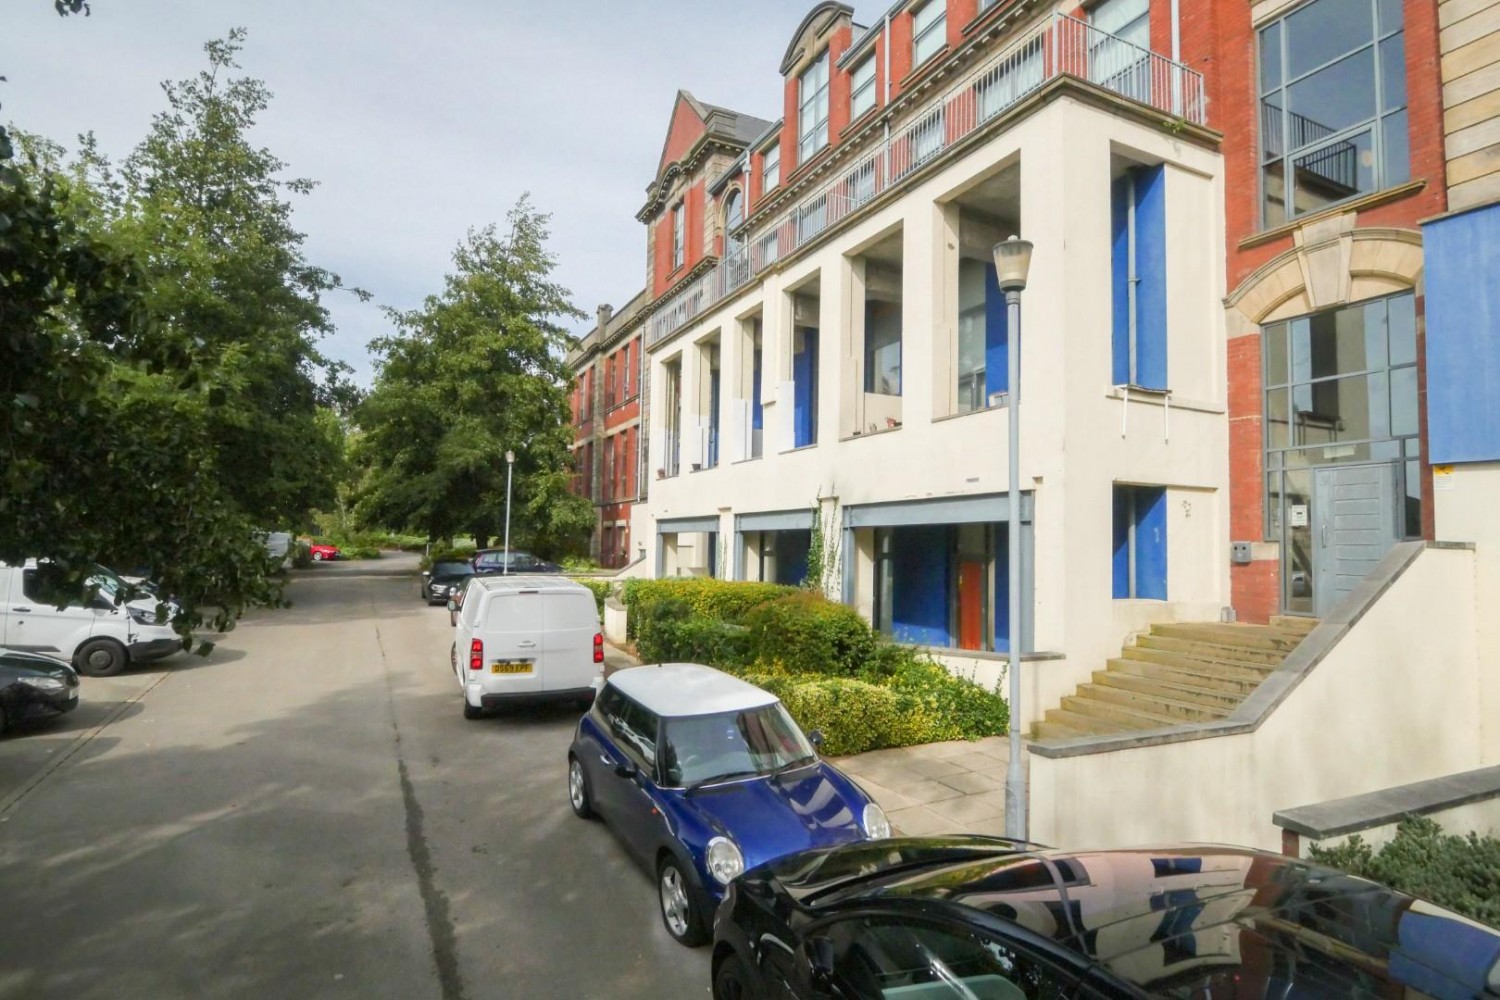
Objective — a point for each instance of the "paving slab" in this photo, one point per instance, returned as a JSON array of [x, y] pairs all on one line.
[[971, 783], [971, 808]]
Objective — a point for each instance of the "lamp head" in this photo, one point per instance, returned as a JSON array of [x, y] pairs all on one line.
[[1012, 262], [510, 456]]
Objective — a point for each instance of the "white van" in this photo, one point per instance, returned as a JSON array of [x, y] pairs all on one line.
[[100, 638], [525, 638]]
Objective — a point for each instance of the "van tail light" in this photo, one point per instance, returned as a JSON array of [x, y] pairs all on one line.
[[476, 654], [598, 647]]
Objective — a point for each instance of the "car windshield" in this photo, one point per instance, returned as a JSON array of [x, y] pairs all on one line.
[[451, 570], [704, 748]]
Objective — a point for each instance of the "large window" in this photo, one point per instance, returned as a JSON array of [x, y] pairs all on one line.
[[679, 230], [883, 348], [1119, 49], [812, 113], [770, 168], [734, 212], [1332, 105], [1139, 278], [982, 340], [862, 88], [929, 31]]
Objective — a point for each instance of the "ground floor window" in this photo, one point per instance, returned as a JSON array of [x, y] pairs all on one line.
[[782, 556], [942, 585], [1140, 542]]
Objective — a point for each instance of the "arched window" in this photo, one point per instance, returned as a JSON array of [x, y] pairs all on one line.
[[734, 211]]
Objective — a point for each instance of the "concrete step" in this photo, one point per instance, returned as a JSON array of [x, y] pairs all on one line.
[[1294, 623], [1155, 704], [1208, 676], [1196, 656], [1217, 699], [1060, 724], [1239, 636], [1212, 652], [1125, 718]]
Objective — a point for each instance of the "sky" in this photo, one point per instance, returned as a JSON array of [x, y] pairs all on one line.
[[422, 119]]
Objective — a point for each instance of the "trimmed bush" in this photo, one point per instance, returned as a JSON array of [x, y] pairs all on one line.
[[954, 708], [852, 715], [805, 633], [720, 600], [1461, 873], [601, 589]]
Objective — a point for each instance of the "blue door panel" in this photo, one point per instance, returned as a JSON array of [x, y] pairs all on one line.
[[919, 598], [1151, 543], [1151, 270], [1119, 250], [996, 335]]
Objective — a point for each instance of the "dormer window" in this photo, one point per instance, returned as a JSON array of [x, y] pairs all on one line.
[[929, 31], [862, 88], [812, 115], [770, 168]]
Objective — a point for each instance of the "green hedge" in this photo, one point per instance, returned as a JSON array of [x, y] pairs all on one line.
[[805, 633], [1461, 873], [601, 589], [720, 600]]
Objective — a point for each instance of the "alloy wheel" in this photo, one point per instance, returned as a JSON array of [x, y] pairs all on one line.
[[674, 901], [575, 784]]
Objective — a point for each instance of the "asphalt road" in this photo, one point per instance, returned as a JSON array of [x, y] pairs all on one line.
[[306, 813]]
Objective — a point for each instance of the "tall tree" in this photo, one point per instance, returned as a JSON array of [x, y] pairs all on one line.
[[475, 372]]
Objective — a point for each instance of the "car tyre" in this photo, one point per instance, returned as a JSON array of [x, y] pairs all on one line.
[[317, 557], [681, 912], [100, 658], [578, 790], [730, 980]]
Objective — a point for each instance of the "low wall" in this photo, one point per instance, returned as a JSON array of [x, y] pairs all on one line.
[[615, 617], [1384, 692]]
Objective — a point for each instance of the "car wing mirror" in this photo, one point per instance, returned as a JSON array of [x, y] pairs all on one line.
[[816, 739], [452, 604], [426, 573], [625, 768]]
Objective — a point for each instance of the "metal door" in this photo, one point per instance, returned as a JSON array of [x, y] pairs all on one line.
[[1355, 518]]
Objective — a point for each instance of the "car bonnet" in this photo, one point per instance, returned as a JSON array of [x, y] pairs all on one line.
[[768, 817]]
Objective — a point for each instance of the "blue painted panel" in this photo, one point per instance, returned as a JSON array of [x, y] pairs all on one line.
[[996, 335], [805, 394], [919, 596], [1151, 542], [1461, 258], [1002, 589], [1151, 270], [1119, 252], [757, 409], [1120, 587]]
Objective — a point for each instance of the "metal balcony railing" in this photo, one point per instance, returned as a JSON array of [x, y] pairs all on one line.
[[1057, 46]]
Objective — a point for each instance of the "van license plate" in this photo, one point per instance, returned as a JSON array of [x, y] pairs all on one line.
[[510, 667]]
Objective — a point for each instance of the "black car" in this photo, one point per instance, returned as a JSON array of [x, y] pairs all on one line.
[[490, 561], [33, 686], [979, 917], [444, 580]]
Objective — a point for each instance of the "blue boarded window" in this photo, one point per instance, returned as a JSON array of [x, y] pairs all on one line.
[[1139, 278], [920, 557], [805, 388], [1140, 542], [982, 337]]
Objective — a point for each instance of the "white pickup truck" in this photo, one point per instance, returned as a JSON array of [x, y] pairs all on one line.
[[100, 638]]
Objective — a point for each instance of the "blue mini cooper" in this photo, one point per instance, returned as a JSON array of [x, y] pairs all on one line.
[[702, 776]]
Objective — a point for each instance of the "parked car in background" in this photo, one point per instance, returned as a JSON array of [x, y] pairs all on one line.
[[702, 775], [278, 547], [99, 638], [526, 638], [33, 686], [444, 580], [321, 551], [488, 561], [983, 917]]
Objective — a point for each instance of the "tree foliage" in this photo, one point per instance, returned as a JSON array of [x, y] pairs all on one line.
[[476, 371], [161, 394]]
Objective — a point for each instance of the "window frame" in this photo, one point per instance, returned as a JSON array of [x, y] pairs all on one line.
[[861, 88], [679, 234], [812, 136], [770, 167], [921, 34], [1375, 125]]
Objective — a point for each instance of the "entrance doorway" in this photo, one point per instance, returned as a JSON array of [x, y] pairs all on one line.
[[1354, 519]]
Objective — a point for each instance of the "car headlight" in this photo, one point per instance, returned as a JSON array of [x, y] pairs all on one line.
[[877, 827], [724, 860], [143, 616], [43, 683]]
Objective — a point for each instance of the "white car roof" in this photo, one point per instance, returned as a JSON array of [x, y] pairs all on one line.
[[680, 689], [515, 582]]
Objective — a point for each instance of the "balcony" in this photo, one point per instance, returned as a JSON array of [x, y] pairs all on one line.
[[1059, 46]]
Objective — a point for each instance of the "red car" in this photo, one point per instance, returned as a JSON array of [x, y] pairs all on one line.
[[321, 552]]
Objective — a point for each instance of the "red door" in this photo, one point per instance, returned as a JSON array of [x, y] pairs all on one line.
[[970, 605]]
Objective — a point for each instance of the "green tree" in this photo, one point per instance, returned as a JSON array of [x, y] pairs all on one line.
[[476, 371]]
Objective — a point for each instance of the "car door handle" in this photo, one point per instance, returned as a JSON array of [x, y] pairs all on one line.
[[604, 759], [526, 644], [21, 610]]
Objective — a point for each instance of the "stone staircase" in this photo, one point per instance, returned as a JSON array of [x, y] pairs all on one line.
[[1176, 673]]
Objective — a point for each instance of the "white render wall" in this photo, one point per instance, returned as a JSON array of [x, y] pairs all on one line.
[[1079, 437]]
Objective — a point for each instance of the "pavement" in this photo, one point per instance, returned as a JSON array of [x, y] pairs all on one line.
[[935, 788], [306, 813]]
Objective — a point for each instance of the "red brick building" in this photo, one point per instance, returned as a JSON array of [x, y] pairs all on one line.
[[1333, 147]]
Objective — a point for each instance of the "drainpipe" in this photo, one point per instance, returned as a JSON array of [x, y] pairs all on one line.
[[1176, 60]]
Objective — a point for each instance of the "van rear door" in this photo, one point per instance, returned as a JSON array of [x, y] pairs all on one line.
[[572, 622], [511, 628]]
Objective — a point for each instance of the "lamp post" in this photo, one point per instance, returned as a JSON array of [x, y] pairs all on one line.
[[510, 464], [1012, 261]]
